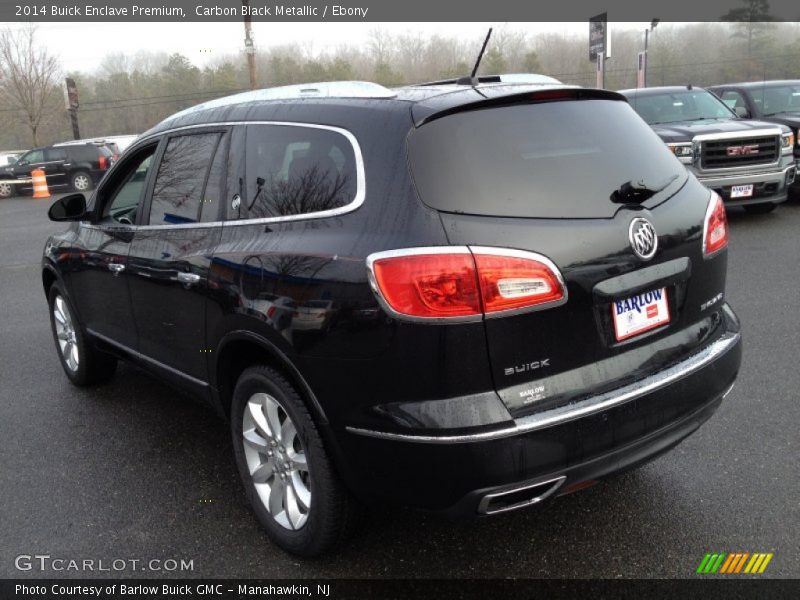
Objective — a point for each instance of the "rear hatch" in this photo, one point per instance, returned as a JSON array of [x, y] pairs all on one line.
[[538, 174]]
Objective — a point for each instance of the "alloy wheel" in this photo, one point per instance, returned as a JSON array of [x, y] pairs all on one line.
[[81, 182], [276, 461], [65, 333]]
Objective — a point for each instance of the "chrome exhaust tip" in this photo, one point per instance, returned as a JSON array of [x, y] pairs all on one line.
[[519, 496]]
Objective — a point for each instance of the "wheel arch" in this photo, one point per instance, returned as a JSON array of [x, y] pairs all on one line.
[[49, 277], [238, 350]]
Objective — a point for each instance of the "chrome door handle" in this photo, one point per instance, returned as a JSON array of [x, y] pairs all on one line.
[[188, 278], [116, 268]]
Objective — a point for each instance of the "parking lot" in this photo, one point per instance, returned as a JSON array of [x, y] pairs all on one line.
[[131, 470]]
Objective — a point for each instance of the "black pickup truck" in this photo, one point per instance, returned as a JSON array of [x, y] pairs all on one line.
[[749, 163], [771, 101]]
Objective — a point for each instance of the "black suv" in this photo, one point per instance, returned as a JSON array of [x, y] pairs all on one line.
[[67, 166], [517, 290]]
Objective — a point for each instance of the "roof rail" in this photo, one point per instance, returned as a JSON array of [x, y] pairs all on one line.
[[325, 89], [530, 78]]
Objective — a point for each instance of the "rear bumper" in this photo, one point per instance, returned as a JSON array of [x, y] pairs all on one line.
[[583, 441], [769, 186]]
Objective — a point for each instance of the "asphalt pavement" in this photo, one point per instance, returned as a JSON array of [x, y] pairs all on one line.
[[133, 471]]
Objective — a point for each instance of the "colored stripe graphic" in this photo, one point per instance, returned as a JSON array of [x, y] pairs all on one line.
[[726, 564], [711, 563]]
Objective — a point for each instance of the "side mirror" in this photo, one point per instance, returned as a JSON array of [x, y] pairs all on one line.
[[742, 112], [68, 208]]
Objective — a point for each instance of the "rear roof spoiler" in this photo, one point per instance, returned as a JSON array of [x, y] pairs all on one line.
[[480, 98]]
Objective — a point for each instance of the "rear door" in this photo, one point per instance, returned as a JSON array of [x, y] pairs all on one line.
[[55, 158], [540, 177], [171, 253]]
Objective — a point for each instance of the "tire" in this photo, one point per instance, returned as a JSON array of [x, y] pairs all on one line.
[[760, 209], [312, 511], [82, 363], [6, 190], [81, 181]]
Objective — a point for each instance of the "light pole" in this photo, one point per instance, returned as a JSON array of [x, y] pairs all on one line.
[[249, 48], [647, 31]]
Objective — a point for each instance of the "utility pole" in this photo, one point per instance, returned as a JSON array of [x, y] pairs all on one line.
[[248, 44], [643, 60], [71, 104]]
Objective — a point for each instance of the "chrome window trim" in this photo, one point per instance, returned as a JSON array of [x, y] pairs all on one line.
[[577, 410], [358, 199]]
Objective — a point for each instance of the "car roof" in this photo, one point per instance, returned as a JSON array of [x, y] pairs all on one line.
[[760, 84], [425, 100], [655, 91]]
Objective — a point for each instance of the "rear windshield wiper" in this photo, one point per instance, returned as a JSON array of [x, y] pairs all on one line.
[[636, 192]]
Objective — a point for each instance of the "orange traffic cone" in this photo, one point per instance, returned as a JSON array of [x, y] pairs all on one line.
[[39, 184]]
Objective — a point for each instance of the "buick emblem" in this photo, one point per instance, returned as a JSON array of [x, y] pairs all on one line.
[[643, 238]]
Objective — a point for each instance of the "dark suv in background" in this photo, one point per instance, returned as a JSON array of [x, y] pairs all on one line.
[[68, 166], [748, 163], [464, 298]]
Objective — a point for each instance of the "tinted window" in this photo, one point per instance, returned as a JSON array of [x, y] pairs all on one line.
[[553, 159], [56, 154], [34, 156], [733, 99], [215, 191], [778, 99], [181, 177], [125, 192], [688, 105], [296, 170]]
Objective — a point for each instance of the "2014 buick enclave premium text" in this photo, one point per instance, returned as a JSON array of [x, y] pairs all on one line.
[[463, 298]]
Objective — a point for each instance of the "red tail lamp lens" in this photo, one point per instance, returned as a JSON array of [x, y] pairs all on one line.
[[509, 283], [463, 284], [429, 285], [715, 229]]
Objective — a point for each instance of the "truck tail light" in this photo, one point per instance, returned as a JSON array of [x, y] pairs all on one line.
[[102, 163], [715, 228], [463, 284]]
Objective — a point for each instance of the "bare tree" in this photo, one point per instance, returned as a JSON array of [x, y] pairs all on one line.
[[28, 76]]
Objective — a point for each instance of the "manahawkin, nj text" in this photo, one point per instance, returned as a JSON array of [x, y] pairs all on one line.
[[276, 11]]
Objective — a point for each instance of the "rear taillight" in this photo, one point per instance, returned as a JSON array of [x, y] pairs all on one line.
[[102, 163], [463, 284], [715, 228]]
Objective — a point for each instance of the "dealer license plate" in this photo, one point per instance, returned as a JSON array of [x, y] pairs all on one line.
[[742, 191], [639, 313]]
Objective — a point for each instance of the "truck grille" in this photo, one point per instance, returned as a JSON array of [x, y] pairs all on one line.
[[740, 152]]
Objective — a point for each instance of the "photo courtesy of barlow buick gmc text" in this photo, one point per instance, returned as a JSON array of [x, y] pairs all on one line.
[[338, 301]]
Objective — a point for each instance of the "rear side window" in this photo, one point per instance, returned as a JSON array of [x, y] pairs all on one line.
[[295, 170], [554, 159], [181, 179], [56, 154]]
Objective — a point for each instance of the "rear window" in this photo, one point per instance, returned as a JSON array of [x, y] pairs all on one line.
[[551, 160]]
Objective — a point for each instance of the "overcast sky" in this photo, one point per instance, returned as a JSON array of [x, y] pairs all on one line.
[[81, 46]]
